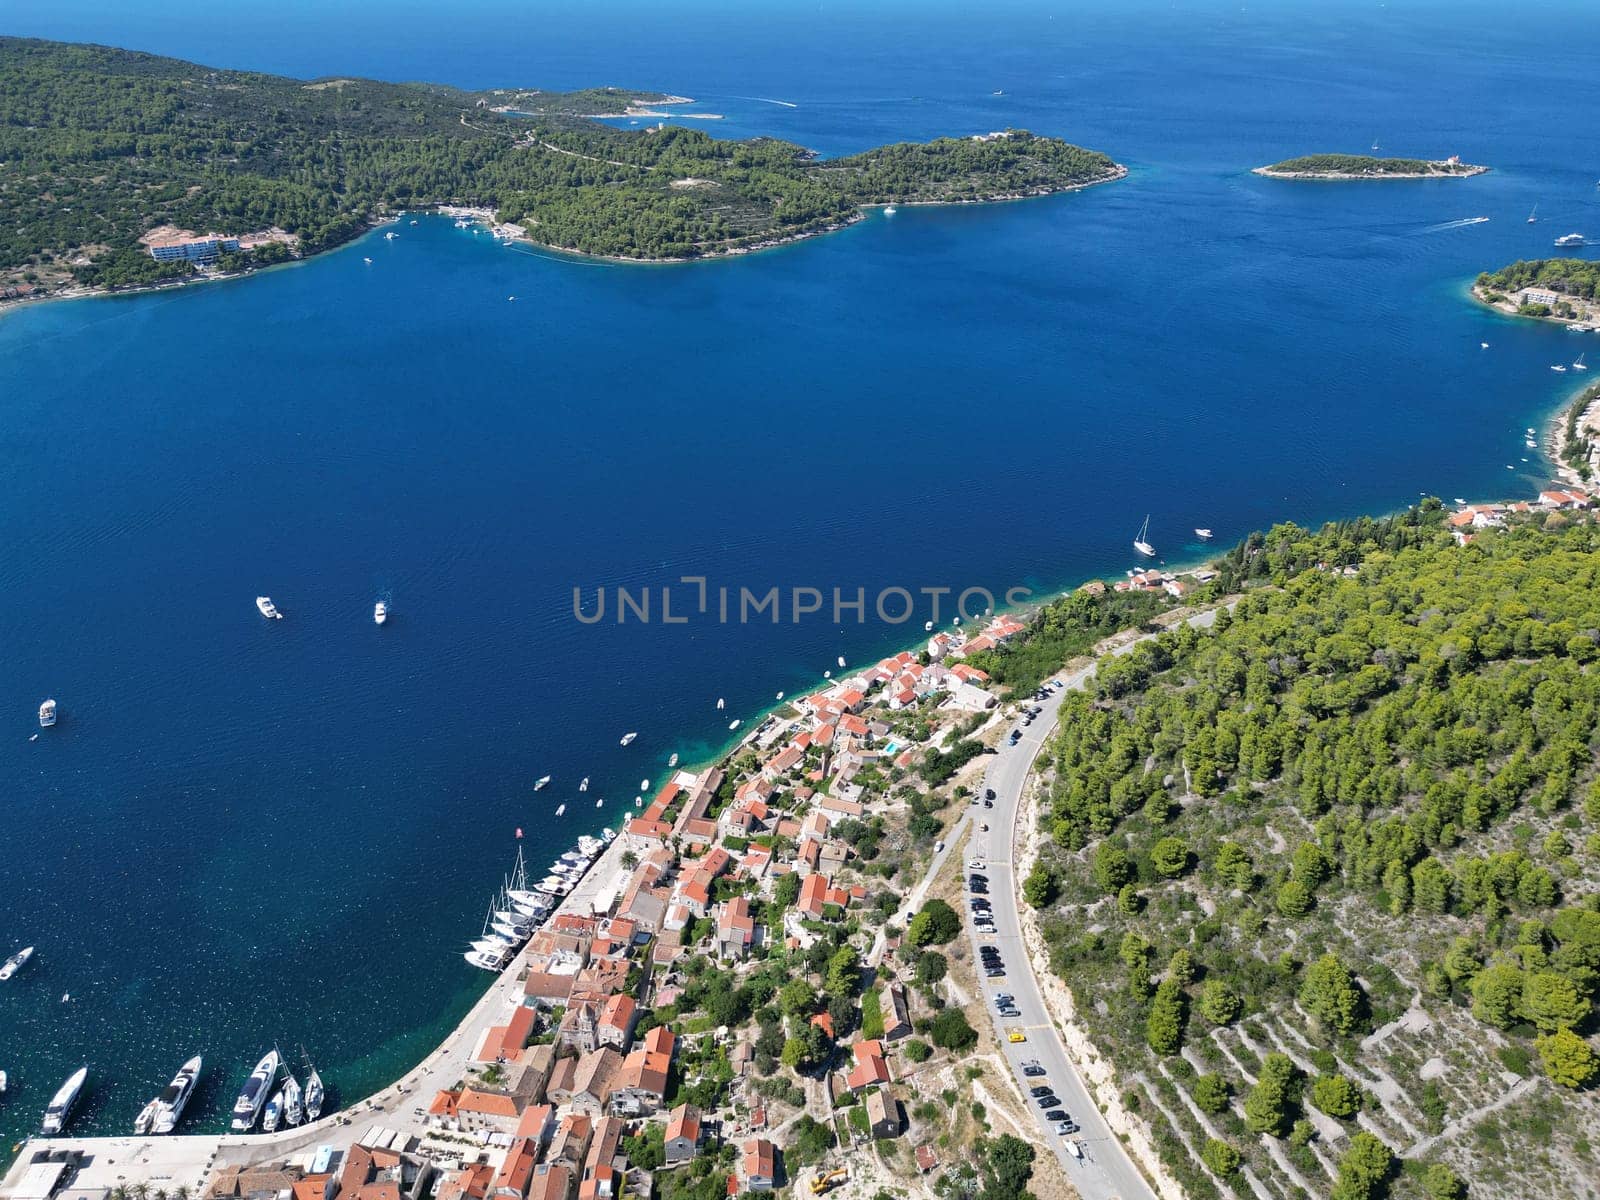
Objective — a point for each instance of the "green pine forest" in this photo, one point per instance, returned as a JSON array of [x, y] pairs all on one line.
[[1368, 792], [98, 146], [1569, 276]]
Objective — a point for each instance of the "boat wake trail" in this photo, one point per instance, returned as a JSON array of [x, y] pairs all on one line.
[[766, 100], [1461, 224]]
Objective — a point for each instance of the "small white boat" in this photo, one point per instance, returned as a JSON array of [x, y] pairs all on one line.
[[599, 802], [15, 963], [47, 714], [1534, 215], [584, 786], [720, 703], [1141, 543], [1560, 367], [390, 236], [2, 1082], [927, 627], [541, 783], [510, 297], [146, 1118], [780, 695], [267, 609], [380, 612], [1483, 345], [627, 738], [827, 674], [61, 1104], [368, 261], [1203, 534], [841, 660], [673, 761], [313, 1118], [560, 808], [734, 724], [314, 1092], [644, 785], [638, 801], [1580, 365], [1459, 500], [889, 210], [292, 1101]]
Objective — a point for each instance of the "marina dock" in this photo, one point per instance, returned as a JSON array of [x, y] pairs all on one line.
[[187, 1160]]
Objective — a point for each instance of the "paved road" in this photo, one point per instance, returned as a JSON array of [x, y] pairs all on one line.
[[1106, 1172]]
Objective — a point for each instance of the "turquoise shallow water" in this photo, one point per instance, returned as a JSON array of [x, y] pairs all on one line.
[[244, 832]]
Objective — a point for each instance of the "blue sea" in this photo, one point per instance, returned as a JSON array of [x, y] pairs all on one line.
[[246, 832]]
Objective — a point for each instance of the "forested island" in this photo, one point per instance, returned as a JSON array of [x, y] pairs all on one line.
[[1364, 166], [99, 146], [1561, 289], [1324, 879]]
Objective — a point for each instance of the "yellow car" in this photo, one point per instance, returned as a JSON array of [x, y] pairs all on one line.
[[1016, 1035]]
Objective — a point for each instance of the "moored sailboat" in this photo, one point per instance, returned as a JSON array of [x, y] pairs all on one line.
[[314, 1095], [1142, 542]]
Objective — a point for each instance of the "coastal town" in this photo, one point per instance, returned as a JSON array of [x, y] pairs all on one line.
[[748, 988], [1264, 865], [758, 978]]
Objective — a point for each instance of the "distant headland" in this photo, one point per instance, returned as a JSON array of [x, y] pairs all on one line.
[[1363, 166], [1565, 290], [175, 171]]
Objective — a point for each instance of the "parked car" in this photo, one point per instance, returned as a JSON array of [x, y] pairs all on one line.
[[1042, 1090], [988, 793], [1048, 1101], [1055, 1114], [1032, 1069]]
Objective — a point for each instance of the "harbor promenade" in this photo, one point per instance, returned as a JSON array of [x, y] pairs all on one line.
[[167, 1163]]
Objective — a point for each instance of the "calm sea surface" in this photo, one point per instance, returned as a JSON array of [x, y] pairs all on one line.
[[246, 832]]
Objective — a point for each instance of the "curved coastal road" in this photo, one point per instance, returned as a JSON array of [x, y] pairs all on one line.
[[1106, 1171]]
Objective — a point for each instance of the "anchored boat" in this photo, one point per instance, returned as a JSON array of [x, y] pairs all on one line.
[[61, 1104], [247, 1108]]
